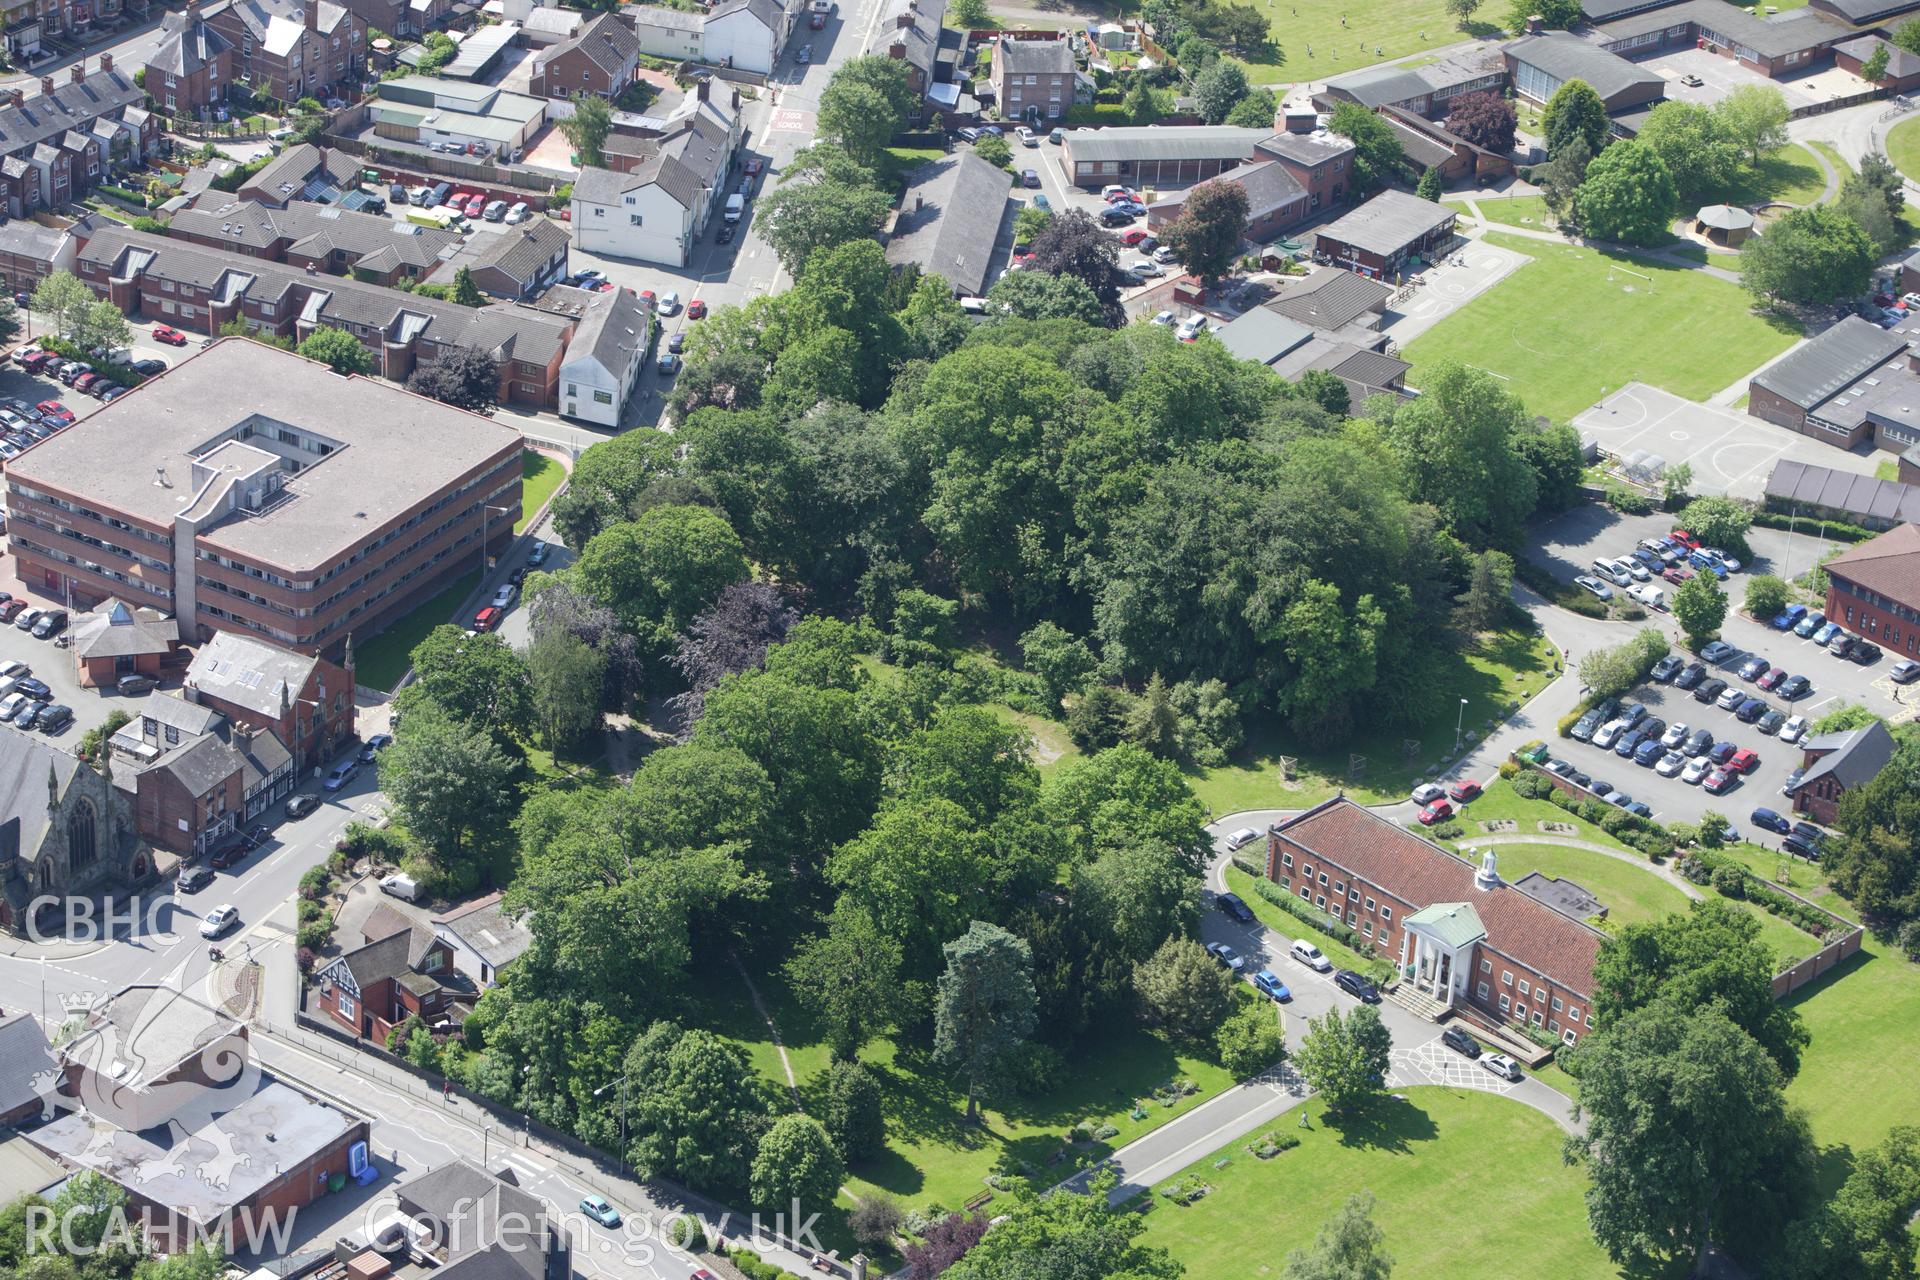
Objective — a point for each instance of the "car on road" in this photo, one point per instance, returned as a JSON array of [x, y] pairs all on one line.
[[817, 21], [667, 365], [503, 598], [1030, 177], [375, 745], [1309, 955], [230, 855], [302, 805], [538, 556], [1770, 820], [1696, 771], [1794, 687], [193, 880], [1268, 983], [1463, 791], [1357, 985], [219, 920], [1460, 1041], [596, 1207], [677, 342], [487, 619], [1594, 587], [1226, 957], [1239, 839], [1503, 1066], [1717, 651], [1666, 669], [1234, 907], [341, 774], [1719, 782], [805, 55], [697, 309], [1438, 811]]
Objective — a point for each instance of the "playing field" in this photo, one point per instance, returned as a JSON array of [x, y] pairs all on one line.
[[1575, 323], [1857, 1079], [1903, 147], [1315, 44]]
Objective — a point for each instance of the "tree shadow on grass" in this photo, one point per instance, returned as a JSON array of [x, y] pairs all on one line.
[[1387, 1123]]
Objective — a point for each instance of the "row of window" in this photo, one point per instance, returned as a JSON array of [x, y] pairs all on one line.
[[114, 575], [1518, 1012]]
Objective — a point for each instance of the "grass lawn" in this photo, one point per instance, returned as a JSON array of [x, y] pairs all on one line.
[[1857, 1079], [381, 661], [1518, 211], [1803, 878], [1903, 146], [1790, 174], [1291, 926], [1504, 667], [1422, 1156], [1832, 155], [1312, 44], [1887, 469], [897, 162], [1051, 745], [539, 477], [1576, 322], [1633, 895]]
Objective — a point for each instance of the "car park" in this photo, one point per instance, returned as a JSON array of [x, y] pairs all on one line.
[[1503, 1066], [1696, 771], [1226, 957], [1730, 698], [1309, 955], [1268, 983], [1691, 677], [1234, 907], [1719, 782], [1810, 624], [1438, 811], [1357, 985]]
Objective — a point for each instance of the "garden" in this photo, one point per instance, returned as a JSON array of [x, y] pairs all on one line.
[[1576, 323]]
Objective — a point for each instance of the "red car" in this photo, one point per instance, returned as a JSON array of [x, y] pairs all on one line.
[[1743, 761], [85, 382], [1133, 237], [458, 199], [1718, 781], [753, 167], [1773, 679], [35, 361], [1121, 194], [1677, 573], [697, 309], [1438, 811], [1686, 539], [476, 206], [169, 335], [55, 413], [11, 609], [1464, 790], [487, 619]]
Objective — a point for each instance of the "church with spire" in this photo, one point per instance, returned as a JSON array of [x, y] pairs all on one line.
[[65, 832]]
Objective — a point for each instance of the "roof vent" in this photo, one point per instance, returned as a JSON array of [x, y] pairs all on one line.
[[160, 480]]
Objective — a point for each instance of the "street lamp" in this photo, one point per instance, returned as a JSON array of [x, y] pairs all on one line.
[[1459, 724], [486, 1142], [621, 1084], [486, 510]]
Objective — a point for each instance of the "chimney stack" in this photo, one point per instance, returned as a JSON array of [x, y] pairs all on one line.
[[78, 71], [905, 20], [1536, 24], [18, 97], [313, 15], [46, 85], [106, 62], [703, 87]]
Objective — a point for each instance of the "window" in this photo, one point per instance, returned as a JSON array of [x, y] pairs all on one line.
[[1304, 893], [1486, 965], [1307, 872], [1503, 1002], [1538, 1017], [1386, 913], [1351, 918], [1525, 989], [1573, 1015], [1339, 886], [1480, 991], [1323, 878], [603, 397], [633, 219], [1519, 1011], [1367, 928], [348, 1009], [1321, 902], [1553, 1024], [1506, 978], [1369, 904], [1567, 1035], [1286, 860], [1557, 1006], [81, 850]]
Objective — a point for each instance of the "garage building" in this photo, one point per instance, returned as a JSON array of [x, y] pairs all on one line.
[[1155, 157]]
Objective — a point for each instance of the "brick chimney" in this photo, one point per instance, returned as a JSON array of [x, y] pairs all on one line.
[[702, 87], [897, 49], [78, 72], [313, 15], [905, 19], [1536, 24], [17, 97], [46, 85], [106, 62]]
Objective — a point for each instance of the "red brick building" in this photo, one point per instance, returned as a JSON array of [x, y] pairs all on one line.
[[119, 640], [602, 60], [1383, 236], [1461, 936], [1836, 763], [189, 70], [1873, 590], [301, 699], [291, 49], [375, 987], [1291, 178], [193, 776], [1033, 77]]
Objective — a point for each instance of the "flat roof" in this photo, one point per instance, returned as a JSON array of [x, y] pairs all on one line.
[[1388, 223], [394, 449]]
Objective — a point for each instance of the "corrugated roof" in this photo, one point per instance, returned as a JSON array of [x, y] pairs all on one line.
[[1829, 363], [1260, 334], [1174, 142], [1857, 498]]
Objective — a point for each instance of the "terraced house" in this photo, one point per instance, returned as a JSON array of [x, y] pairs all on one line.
[[65, 140], [199, 287], [290, 49], [338, 242], [251, 490]]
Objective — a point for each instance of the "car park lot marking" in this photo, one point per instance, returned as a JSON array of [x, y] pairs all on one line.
[[1282, 1079], [1434, 1063]]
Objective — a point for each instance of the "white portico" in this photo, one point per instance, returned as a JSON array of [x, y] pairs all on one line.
[[1436, 950]]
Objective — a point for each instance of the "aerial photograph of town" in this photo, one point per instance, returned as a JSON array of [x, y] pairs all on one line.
[[987, 639]]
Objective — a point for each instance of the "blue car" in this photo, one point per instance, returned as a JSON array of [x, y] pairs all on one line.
[[1041, 202], [1707, 564], [1810, 624], [597, 1208], [1647, 752], [1789, 618], [1268, 983], [1771, 821], [1827, 631], [1628, 744]]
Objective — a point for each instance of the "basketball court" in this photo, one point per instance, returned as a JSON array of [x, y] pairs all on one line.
[[1730, 452]]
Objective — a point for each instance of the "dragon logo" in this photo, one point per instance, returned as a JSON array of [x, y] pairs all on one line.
[[134, 1075]]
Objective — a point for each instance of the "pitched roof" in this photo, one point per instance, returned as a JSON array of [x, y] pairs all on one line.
[[24, 1059], [915, 24], [1269, 185], [1794, 31], [1331, 299], [25, 765], [314, 230], [202, 765], [1853, 758], [1826, 364], [482, 1214], [485, 926], [117, 630], [1389, 222], [1173, 142], [1889, 565], [391, 957], [949, 219], [1399, 862], [1567, 57], [1382, 86], [287, 174], [188, 46], [607, 42], [1900, 62], [1455, 923], [614, 327], [766, 12], [47, 116], [249, 672], [1859, 497], [1034, 57], [520, 252]]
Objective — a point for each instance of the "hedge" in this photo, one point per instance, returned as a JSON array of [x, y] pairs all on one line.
[[1718, 869], [120, 373], [1834, 529], [1564, 594], [750, 1265], [1097, 114], [1380, 971]]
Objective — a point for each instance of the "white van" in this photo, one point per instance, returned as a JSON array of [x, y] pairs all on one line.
[[736, 207], [1649, 595], [401, 886], [1309, 955]]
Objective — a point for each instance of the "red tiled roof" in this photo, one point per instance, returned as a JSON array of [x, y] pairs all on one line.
[[1889, 564], [1558, 947]]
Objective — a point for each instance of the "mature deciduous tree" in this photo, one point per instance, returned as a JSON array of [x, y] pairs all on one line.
[[1811, 255], [1755, 116], [849, 978], [865, 103], [1345, 1057], [1250, 1040], [337, 349], [1628, 195], [1212, 224], [1484, 119], [796, 1166], [587, 128], [798, 219], [1349, 1247], [568, 680], [1699, 606], [1074, 244], [1066, 1235], [448, 784], [695, 1114], [854, 1116], [1219, 89], [1040, 295], [1692, 140], [1182, 992], [1575, 111], [1378, 157], [661, 571], [731, 636], [464, 377], [1458, 442]]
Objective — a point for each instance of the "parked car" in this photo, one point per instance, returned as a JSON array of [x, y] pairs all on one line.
[[487, 619], [1827, 631], [667, 364], [1771, 722], [1503, 1066], [26, 619], [1226, 957], [54, 718], [1463, 791], [503, 598], [192, 880], [538, 556], [1717, 651], [1438, 811], [1719, 782], [302, 805], [1268, 983], [1730, 698], [1309, 955], [1696, 771], [1771, 821], [1753, 668], [1750, 711], [1905, 671], [1794, 687], [1865, 652], [1794, 729], [35, 689], [697, 309], [1594, 587], [1666, 669], [1745, 760], [1773, 679], [1670, 764], [341, 774], [374, 746], [1357, 986], [219, 920], [1810, 624], [1800, 847], [1234, 907], [1648, 753], [1840, 644], [1691, 677], [51, 624]]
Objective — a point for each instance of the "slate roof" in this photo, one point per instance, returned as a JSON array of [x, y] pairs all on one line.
[[288, 173], [607, 41], [116, 629], [483, 1207], [277, 25], [1372, 847], [390, 957], [187, 46], [1783, 33], [202, 765], [1900, 62], [1421, 148], [248, 672], [654, 16], [1173, 142], [1829, 363], [1889, 565], [949, 221], [44, 117], [1365, 372], [315, 230], [1263, 335], [1852, 759], [1865, 12], [766, 12], [921, 37], [1858, 497], [1331, 299], [28, 239], [24, 1055], [484, 925], [614, 326], [24, 766], [520, 252], [1389, 222], [1034, 57], [1382, 86], [1568, 57], [1269, 185]]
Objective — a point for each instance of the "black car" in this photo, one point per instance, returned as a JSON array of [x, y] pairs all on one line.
[[34, 688], [193, 880], [1578, 778], [131, 686], [1583, 728], [1666, 669], [1800, 848], [1693, 675], [54, 718], [1770, 723], [150, 366], [1654, 729], [1458, 1040], [1115, 217], [1722, 752], [232, 855], [1794, 687], [1710, 690], [1698, 743], [1771, 821], [1357, 986], [725, 235], [1811, 834], [302, 805], [1865, 653], [51, 623], [1751, 710], [1234, 907], [1599, 787]]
